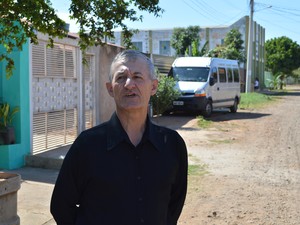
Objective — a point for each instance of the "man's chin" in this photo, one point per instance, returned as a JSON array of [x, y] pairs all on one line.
[[132, 108]]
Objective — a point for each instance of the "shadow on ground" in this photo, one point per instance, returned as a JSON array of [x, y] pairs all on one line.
[[180, 120], [36, 174]]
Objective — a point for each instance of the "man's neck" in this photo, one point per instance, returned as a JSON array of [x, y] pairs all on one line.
[[134, 123]]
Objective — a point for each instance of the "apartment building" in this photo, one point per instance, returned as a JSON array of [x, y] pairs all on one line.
[[158, 41]]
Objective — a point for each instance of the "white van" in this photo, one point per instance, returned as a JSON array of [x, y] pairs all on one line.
[[205, 84]]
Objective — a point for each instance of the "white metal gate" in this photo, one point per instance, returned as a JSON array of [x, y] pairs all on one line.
[[55, 95], [88, 74]]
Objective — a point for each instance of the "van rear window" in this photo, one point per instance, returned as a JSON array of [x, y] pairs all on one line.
[[236, 75], [195, 74]]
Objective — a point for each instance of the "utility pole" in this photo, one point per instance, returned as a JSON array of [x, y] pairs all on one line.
[[250, 49]]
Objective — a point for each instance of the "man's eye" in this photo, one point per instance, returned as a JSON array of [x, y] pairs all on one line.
[[138, 77], [120, 78]]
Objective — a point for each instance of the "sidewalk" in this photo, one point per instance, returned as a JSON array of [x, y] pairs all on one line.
[[35, 194]]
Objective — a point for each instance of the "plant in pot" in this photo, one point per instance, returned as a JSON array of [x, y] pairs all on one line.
[[7, 132]]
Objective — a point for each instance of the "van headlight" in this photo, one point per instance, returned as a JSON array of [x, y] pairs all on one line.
[[200, 93]]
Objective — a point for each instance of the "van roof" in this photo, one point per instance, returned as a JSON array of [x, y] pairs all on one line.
[[202, 61]]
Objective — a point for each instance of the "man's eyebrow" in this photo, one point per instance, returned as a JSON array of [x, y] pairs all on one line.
[[137, 73], [120, 71]]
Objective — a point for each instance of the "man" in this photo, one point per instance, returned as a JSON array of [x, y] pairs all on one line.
[[126, 171]]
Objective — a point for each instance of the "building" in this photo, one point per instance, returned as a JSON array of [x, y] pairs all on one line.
[[58, 95], [159, 42]]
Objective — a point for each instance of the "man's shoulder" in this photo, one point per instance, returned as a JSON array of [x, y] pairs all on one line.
[[97, 130], [159, 130]]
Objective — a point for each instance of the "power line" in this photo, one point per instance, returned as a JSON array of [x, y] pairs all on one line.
[[210, 13], [196, 10]]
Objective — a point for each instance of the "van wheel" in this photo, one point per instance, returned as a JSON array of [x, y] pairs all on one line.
[[208, 109], [234, 108]]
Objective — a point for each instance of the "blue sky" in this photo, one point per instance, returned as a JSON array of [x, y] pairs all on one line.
[[278, 17]]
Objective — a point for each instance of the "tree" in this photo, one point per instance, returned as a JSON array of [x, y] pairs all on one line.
[[20, 19], [232, 48], [234, 40], [182, 38], [96, 19], [195, 48], [282, 57]]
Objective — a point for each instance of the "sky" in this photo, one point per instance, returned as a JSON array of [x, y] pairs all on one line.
[[278, 17]]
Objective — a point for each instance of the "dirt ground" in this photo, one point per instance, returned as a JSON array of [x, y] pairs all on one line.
[[251, 161]]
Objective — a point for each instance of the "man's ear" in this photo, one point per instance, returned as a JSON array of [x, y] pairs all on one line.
[[109, 89], [154, 87]]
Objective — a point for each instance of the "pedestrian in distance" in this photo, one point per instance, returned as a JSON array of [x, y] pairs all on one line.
[[256, 84], [127, 170]]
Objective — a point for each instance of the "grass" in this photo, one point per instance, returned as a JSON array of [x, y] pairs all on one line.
[[203, 123], [254, 100], [251, 100], [222, 141], [196, 168]]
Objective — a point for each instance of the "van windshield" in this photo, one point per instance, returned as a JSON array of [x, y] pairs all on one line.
[[196, 74]]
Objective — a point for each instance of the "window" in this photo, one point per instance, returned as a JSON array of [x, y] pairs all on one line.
[[230, 75], [194, 74], [164, 48], [236, 75], [138, 45], [215, 74], [222, 75]]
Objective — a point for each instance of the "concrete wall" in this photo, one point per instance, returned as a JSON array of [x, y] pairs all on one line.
[[16, 92], [105, 105]]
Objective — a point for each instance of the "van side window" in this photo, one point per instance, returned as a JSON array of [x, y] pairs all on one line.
[[222, 75], [215, 74], [230, 75], [236, 75]]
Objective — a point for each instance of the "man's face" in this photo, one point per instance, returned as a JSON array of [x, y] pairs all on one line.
[[131, 86]]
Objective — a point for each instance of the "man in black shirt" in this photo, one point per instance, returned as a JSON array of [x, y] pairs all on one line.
[[126, 171]]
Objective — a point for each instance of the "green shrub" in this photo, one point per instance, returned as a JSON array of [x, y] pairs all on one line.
[[166, 93]]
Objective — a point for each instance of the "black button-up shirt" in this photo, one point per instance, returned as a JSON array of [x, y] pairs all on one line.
[[106, 180]]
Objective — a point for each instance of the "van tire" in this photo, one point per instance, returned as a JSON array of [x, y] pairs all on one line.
[[207, 110], [234, 108]]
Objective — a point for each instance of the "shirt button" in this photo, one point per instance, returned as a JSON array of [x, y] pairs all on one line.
[[142, 220], [139, 178]]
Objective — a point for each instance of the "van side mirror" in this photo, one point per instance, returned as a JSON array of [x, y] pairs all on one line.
[[211, 81]]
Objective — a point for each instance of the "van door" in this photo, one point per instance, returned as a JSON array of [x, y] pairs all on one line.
[[215, 93], [231, 86], [220, 89]]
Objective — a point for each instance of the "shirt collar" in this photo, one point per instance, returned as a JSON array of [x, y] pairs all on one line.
[[117, 134]]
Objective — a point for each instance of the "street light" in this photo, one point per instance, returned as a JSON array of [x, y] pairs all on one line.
[[250, 47], [249, 51]]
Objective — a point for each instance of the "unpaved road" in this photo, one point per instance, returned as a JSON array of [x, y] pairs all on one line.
[[252, 159]]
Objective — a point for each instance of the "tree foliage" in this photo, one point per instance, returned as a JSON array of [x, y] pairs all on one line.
[[232, 48], [19, 19], [98, 18], [182, 38], [282, 55]]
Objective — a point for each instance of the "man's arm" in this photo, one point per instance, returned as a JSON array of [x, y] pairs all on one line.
[[179, 188], [65, 195]]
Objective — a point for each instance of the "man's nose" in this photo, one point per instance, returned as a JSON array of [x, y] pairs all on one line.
[[129, 83]]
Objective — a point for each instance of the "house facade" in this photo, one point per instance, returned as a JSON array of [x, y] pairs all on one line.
[[58, 95]]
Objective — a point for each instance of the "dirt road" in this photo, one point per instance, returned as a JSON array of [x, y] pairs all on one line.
[[252, 160]]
